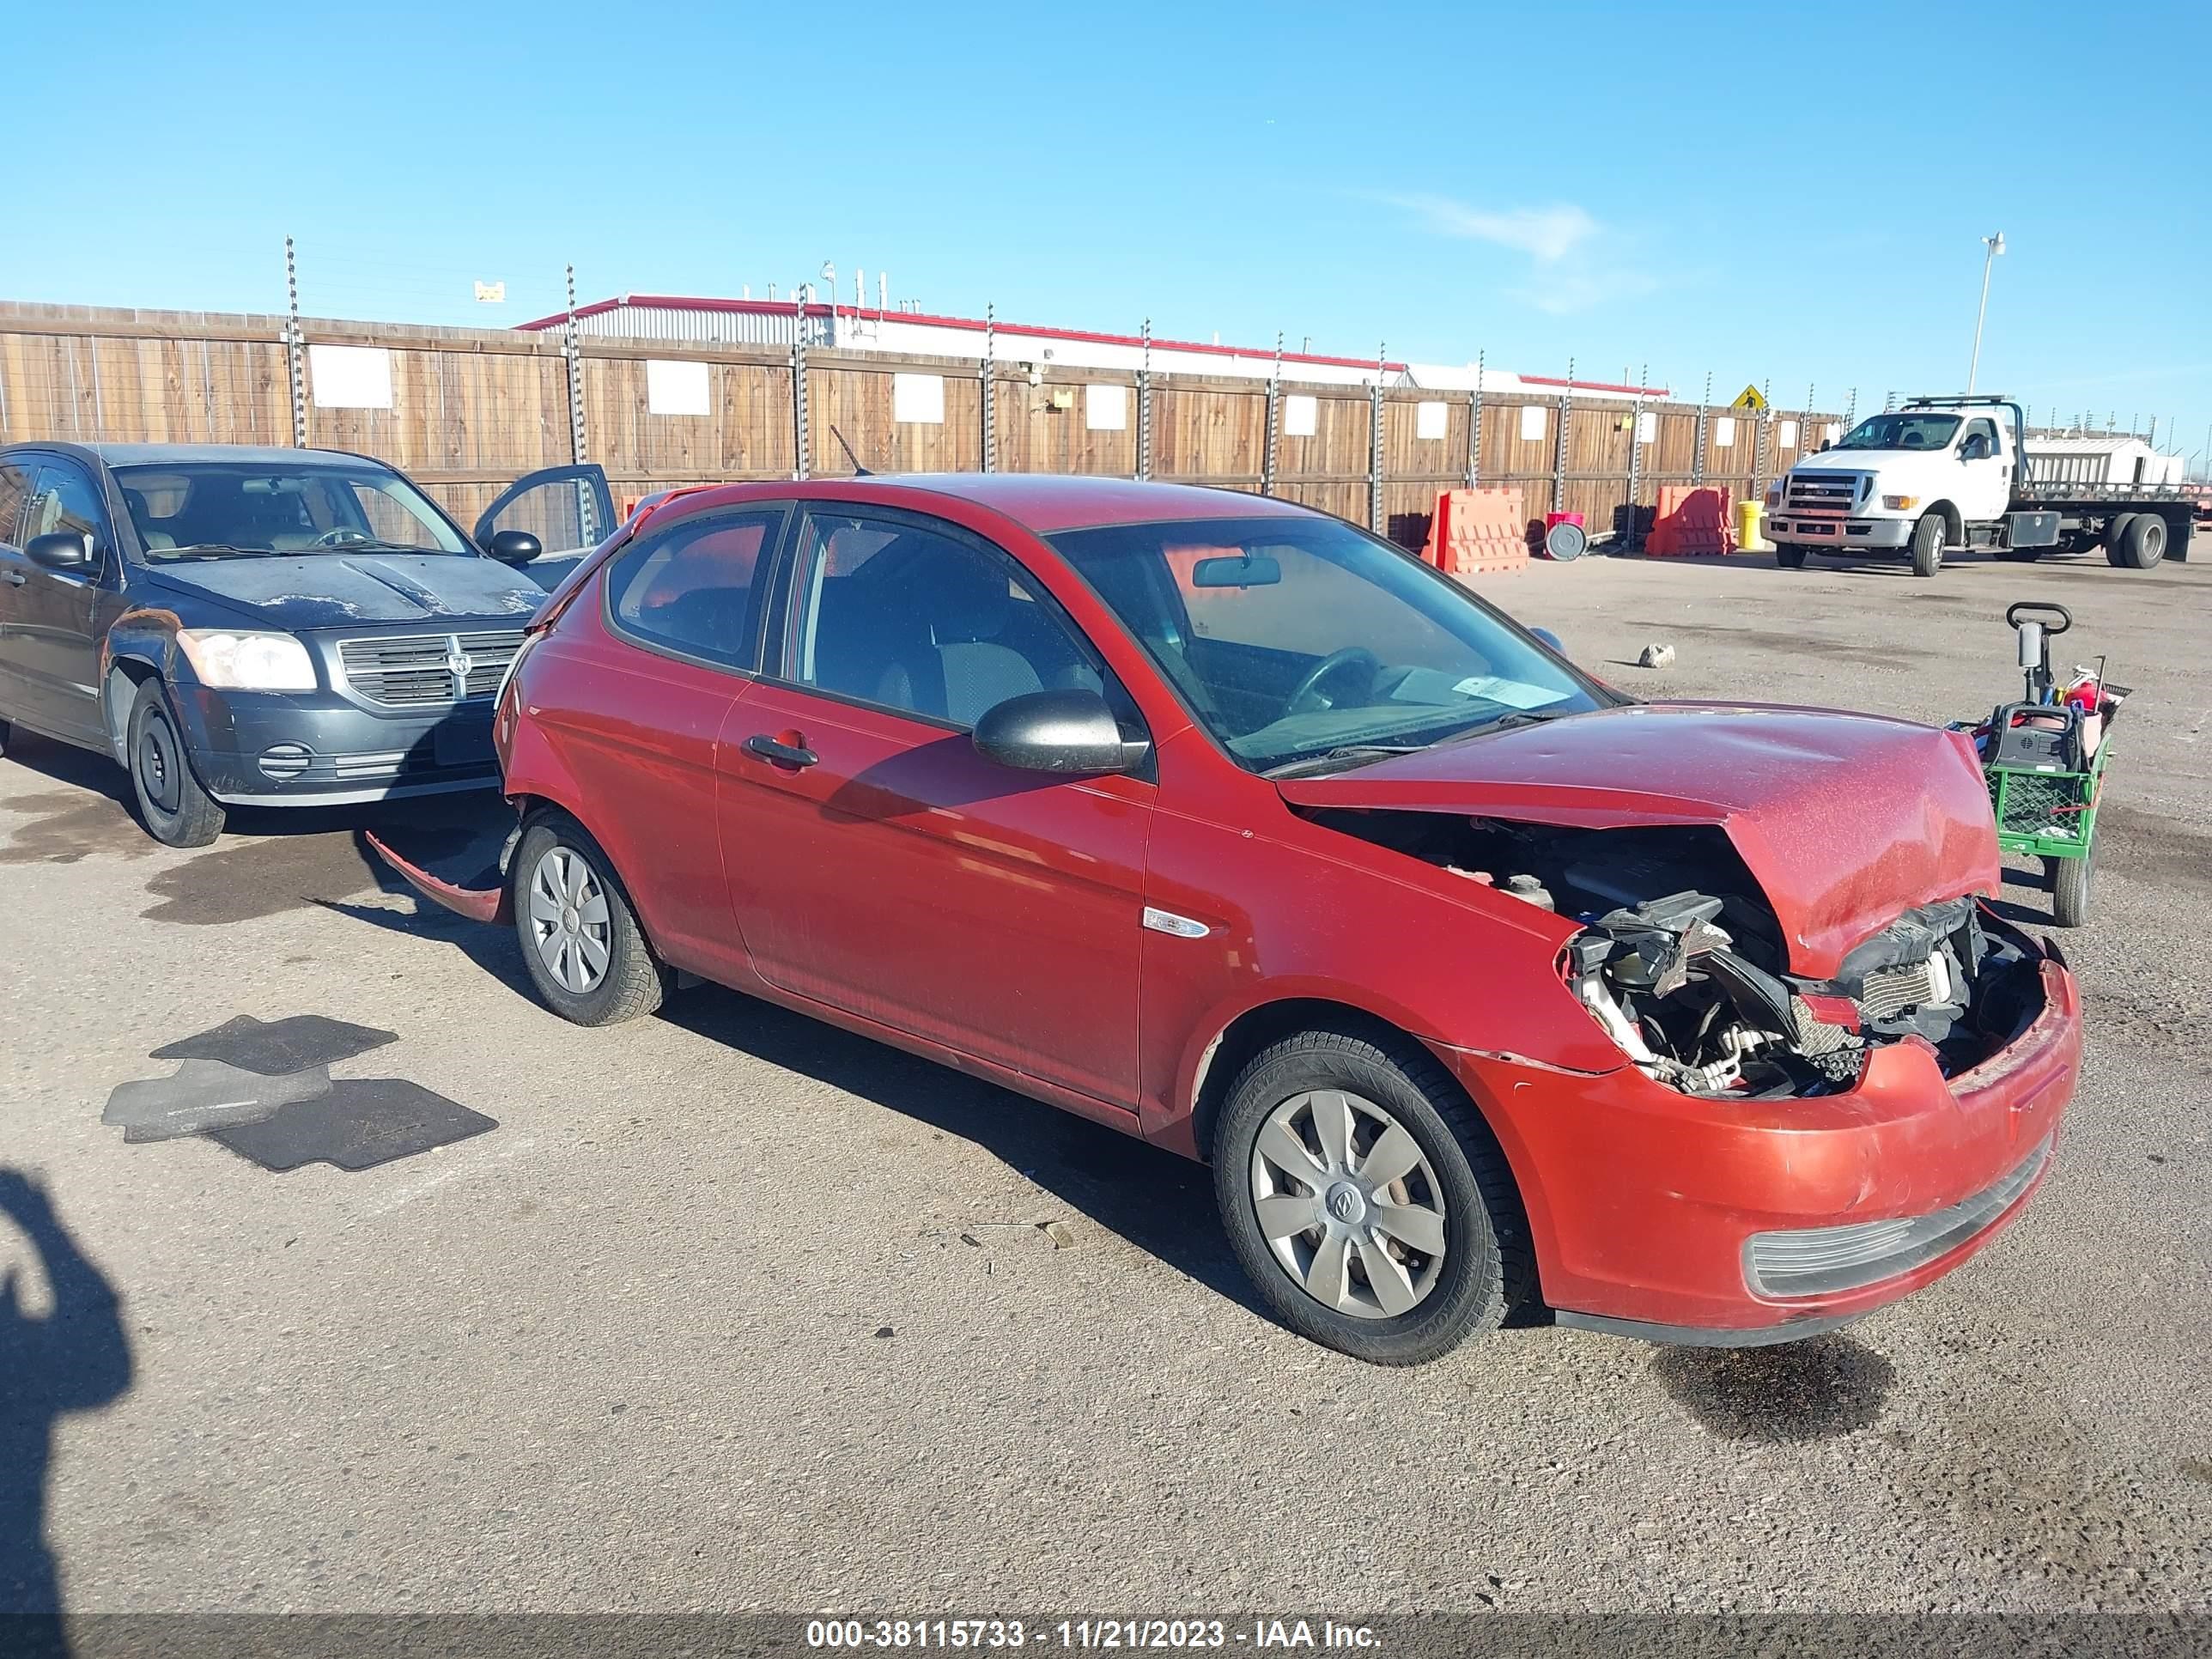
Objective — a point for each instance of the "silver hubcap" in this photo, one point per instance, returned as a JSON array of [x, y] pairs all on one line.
[[568, 919], [1348, 1204]]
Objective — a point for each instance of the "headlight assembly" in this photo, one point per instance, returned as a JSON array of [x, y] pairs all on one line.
[[227, 661]]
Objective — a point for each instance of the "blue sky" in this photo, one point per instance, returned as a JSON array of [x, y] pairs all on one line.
[[1774, 192]]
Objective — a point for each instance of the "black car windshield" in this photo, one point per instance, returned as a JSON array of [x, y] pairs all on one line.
[[1304, 644], [228, 509], [1913, 429]]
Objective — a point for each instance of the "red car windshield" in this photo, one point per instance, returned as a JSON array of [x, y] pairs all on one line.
[[1298, 643]]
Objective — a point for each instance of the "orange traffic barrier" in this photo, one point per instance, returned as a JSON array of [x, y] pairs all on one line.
[[1477, 533], [1690, 518]]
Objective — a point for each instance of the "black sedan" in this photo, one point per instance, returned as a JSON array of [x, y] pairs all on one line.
[[247, 627]]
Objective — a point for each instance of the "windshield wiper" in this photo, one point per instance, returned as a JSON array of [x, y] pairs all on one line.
[[209, 550], [1343, 751]]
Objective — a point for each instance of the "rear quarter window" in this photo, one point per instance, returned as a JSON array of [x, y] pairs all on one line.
[[698, 589]]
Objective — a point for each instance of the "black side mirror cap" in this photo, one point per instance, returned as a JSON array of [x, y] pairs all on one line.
[[61, 550], [1072, 733], [515, 546]]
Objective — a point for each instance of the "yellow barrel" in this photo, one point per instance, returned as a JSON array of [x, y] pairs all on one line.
[[1748, 539]]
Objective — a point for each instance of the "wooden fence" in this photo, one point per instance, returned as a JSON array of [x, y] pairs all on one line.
[[470, 409]]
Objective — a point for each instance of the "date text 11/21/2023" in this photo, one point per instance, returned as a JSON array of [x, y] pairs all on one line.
[[1087, 1634]]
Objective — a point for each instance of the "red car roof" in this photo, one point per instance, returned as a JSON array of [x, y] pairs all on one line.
[[1040, 502]]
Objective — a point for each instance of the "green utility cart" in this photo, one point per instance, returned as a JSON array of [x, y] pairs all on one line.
[[2045, 757]]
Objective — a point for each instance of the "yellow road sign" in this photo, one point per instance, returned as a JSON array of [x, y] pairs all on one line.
[[1750, 399]]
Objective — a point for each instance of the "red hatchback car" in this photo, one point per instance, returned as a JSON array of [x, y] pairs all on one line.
[[1224, 822]]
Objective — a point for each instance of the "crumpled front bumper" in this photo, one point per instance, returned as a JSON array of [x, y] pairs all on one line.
[[1642, 1202]]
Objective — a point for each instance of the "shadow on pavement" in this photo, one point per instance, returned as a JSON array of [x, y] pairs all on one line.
[[77, 1357]]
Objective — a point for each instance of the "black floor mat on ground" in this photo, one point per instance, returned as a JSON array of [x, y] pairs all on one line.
[[280, 1046], [361, 1123], [203, 1095]]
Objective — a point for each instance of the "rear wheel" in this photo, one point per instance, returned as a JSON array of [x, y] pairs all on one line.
[[581, 940], [2143, 545], [176, 810], [1927, 544], [2116, 530], [1366, 1199], [2071, 880], [1787, 556]]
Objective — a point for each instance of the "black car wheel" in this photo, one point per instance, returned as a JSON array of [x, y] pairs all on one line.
[[1789, 555], [1366, 1199], [176, 810], [579, 936]]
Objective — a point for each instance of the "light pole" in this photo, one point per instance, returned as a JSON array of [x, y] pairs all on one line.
[[1995, 245]]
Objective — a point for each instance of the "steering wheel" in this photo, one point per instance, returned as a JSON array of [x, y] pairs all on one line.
[[337, 538], [1306, 698]]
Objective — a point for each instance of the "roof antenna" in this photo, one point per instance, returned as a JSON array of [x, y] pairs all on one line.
[[858, 472]]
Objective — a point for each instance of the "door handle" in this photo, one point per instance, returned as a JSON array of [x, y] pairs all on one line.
[[782, 754]]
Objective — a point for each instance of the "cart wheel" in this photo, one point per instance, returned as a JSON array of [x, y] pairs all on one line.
[[2070, 889]]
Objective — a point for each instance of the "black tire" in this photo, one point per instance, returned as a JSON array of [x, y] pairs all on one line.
[[2143, 545], [1487, 1266], [1927, 544], [632, 981], [1789, 556], [2116, 529], [175, 810], [2071, 882], [6, 732]]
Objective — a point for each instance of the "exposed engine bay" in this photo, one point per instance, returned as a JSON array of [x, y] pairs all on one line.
[[1682, 962]]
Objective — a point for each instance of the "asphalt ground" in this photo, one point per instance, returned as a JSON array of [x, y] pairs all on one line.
[[735, 1311]]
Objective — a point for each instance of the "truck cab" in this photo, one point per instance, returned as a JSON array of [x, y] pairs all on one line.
[[1922, 479]]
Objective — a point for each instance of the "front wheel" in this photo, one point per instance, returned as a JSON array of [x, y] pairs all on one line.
[[1927, 544], [1789, 557], [1366, 1199], [581, 940], [2070, 879], [176, 810]]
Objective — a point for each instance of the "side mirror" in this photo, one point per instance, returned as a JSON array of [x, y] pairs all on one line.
[[61, 550], [515, 546], [1549, 638], [1070, 732]]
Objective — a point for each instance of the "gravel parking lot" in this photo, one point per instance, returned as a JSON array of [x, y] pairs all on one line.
[[735, 1311]]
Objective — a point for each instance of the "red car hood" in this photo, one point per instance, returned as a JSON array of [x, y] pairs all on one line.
[[1845, 821]]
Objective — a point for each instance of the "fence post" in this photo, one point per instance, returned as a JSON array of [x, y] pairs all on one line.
[[293, 368], [1145, 407], [1630, 539], [1274, 419], [990, 388], [1375, 443], [1698, 454], [1475, 429], [573, 362], [799, 385], [1560, 446], [1761, 419]]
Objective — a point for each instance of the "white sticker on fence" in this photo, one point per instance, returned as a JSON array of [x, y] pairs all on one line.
[[1532, 417], [1830, 432], [1647, 427], [1785, 434], [1300, 414], [919, 398], [1106, 408], [1723, 431], [350, 377], [1430, 420], [675, 388]]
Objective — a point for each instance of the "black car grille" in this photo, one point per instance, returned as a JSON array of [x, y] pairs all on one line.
[[415, 671], [1836, 491]]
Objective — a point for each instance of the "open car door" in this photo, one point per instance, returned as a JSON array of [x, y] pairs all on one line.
[[568, 508]]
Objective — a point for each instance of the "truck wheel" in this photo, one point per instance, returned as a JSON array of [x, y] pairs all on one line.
[[5, 733], [2115, 528], [1367, 1200], [1789, 557], [2070, 889], [176, 810], [1927, 544], [2144, 543]]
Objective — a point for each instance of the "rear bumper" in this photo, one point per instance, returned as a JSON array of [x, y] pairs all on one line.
[[1644, 1203], [1815, 530], [316, 748]]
